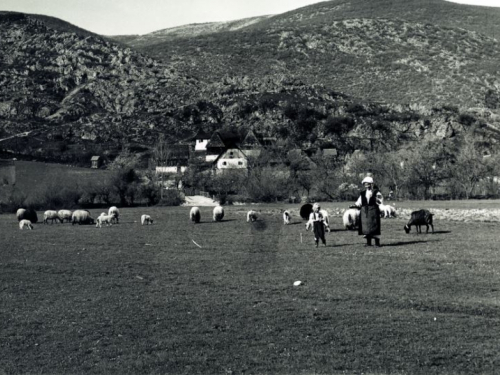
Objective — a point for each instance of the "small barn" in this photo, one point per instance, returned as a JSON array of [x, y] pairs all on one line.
[[96, 162]]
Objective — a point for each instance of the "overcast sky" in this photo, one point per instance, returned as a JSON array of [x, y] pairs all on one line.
[[118, 17]]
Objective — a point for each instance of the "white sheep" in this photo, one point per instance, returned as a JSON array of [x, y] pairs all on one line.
[[50, 215], [81, 217], [218, 213], [146, 220], [105, 219], [351, 218], [286, 217], [195, 215], [64, 215], [387, 211], [25, 224], [114, 210], [326, 221], [251, 216]]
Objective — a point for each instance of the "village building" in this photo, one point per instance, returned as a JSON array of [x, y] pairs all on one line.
[[96, 162], [221, 150], [176, 159]]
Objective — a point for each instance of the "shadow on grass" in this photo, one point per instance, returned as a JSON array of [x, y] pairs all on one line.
[[441, 232], [402, 243]]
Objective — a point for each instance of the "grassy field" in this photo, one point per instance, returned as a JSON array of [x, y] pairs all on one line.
[[148, 299]]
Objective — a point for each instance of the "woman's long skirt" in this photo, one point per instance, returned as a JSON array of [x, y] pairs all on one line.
[[369, 221], [319, 231]]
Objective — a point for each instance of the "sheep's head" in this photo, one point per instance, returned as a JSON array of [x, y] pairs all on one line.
[[407, 229]]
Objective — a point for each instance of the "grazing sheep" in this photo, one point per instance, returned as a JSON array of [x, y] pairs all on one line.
[[114, 210], [81, 217], [195, 215], [286, 217], [28, 214], [326, 221], [105, 219], [146, 220], [218, 213], [25, 224], [251, 216], [387, 211], [50, 215], [351, 219], [419, 218], [64, 215]]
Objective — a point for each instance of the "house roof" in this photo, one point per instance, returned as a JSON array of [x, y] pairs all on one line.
[[224, 139], [94, 158], [202, 135]]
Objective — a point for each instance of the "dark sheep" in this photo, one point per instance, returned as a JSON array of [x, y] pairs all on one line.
[[27, 214], [305, 211], [419, 218]]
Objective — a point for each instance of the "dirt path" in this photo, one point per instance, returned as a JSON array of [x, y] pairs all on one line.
[[199, 200]]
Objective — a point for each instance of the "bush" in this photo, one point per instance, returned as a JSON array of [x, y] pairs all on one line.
[[171, 198]]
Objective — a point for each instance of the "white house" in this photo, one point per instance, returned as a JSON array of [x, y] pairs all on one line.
[[232, 158]]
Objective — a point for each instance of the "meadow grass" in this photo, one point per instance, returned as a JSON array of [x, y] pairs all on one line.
[[147, 299]]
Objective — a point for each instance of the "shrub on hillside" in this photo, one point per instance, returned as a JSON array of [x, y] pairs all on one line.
[[53, 197], [171, 198]]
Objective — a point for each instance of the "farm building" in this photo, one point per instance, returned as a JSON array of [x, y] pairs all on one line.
[[96, 162], [176, 159]]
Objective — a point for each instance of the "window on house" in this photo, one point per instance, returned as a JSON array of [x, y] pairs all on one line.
[[231, 155], [224, 163], [240, 163]]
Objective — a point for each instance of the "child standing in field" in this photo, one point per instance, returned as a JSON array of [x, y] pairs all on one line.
[[318, 223]]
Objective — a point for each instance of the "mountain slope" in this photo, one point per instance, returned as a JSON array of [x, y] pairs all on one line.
[[66, 96], [483, 20], [186, 31], [388, 60]]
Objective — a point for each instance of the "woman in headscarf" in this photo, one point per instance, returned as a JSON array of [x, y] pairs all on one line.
[[318, 223], [369, 201]]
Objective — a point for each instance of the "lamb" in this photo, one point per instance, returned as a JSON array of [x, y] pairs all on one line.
[[114, 210], [251, 216], [387, 211], [146, 220], [195, 215], [28, 214], [218, 213], [326, 221], [419, 218], [25, 224], [64, 215], [105, 219], [50, 215], [286, 217], [351, 219], [81, 217]]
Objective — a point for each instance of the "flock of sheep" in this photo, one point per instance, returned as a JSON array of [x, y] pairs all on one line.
[[27, 217], [350, 217]]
